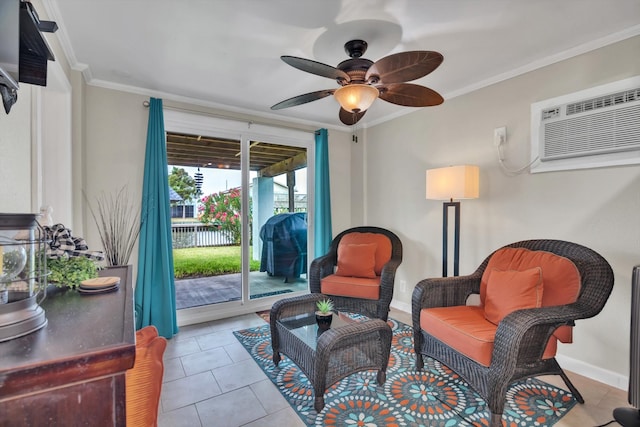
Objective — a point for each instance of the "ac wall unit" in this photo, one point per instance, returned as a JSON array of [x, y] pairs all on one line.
[[595, 127]]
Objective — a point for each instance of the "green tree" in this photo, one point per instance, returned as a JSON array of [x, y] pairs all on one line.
[[183, 184], [223, 211]]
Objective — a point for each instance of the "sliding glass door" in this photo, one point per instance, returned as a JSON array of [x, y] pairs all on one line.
[[253, 215], [278, 218]]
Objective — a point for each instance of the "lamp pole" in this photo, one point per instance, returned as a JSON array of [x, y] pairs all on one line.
[[445, 237]]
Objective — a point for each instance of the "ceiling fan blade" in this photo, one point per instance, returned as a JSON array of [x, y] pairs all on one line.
[[410, 95], [302, 99], [349, 117], [317, 68], [404, 66]]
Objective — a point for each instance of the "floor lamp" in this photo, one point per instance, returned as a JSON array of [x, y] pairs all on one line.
[[449, 183]]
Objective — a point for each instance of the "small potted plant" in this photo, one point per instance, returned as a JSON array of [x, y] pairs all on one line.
[[324, 313], [70, 271]]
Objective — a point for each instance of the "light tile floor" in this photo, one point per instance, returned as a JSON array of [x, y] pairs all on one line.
[[211, 380]]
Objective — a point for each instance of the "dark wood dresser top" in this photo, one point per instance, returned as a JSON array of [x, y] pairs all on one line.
[[86, 337]]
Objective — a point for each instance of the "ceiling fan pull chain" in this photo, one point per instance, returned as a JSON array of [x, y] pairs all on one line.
[[354, 129]]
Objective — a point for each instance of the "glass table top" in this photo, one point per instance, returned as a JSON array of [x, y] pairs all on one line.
[[304, 326]]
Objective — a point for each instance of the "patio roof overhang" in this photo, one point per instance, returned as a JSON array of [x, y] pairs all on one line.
[[219, 153]]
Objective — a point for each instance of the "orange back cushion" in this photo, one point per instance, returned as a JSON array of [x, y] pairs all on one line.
[[357, 260], [382, 242], [560, 276], [512, 290]]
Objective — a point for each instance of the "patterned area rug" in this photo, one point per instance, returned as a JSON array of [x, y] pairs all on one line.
[[435, 396], [264, 314]]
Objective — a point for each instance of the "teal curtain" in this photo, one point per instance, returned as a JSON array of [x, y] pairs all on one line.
[[155, 293], [322, 222]]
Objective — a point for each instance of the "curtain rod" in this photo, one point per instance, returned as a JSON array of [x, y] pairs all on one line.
[[222, 116]]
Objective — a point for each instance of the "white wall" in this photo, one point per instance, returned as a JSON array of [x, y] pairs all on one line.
[[54, 168], [35, 143], [342, 203], [597, 208], [15, 155], [114, 145], [35, 147]]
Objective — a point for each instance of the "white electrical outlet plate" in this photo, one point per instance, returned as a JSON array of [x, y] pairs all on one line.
[[403, 286], [499, 136]]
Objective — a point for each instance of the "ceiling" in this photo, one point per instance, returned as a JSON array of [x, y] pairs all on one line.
[[225, 53]]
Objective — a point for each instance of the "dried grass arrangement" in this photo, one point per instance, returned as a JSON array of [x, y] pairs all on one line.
[[118, 222]]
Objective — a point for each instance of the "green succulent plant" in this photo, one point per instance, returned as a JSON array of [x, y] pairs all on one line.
[[324, 306]]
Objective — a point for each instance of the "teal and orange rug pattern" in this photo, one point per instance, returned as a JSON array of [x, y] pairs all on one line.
[[435, 396]]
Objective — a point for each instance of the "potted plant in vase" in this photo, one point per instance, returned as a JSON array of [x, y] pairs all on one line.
[[324, 313], [118, 221]]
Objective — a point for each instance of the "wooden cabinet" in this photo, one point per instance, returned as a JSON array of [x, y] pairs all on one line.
[[72, 371]]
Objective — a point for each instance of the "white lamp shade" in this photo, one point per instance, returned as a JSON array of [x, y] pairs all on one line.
[[453, 182], [356, 97]]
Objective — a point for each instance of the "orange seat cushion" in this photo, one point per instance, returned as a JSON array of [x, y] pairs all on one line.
[[357, 260], [144, 380], [355, 287], [465, 329], [382, 242], [512, 290], [561, 278]]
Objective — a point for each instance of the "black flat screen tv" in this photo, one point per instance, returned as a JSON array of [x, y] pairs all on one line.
[[24, 51], [34, 50]]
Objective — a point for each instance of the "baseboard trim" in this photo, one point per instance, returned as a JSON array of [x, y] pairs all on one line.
[[402, 306], [593, 372], [192, 316]]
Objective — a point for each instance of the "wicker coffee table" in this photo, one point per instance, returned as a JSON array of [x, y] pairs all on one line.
[[349, 346]]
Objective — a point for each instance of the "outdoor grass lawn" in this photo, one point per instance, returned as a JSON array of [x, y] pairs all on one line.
[[204, 262]]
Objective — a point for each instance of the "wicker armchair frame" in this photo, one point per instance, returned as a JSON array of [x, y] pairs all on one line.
[[522, 336], [324, 266]]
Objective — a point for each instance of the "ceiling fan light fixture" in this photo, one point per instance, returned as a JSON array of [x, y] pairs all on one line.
[[356, 97], [360, 79]]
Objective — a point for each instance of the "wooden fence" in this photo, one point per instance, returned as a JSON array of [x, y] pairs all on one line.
[[199, 235]]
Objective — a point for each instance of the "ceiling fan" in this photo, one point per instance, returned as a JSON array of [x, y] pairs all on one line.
[[363, 81]]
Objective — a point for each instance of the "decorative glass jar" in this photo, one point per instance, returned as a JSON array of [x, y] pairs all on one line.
[[23, 275]]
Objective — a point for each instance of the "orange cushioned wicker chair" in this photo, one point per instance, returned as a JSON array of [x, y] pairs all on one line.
[[531, 293], [359, 271], [144, 380]]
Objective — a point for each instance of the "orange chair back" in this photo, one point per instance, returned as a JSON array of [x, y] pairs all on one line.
[[144, 380]]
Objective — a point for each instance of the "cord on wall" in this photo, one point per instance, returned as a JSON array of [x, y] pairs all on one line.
[[499, 139]]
